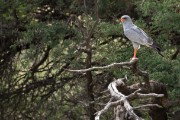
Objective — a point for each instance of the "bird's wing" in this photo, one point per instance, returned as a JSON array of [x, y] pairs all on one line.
[[137, 35]]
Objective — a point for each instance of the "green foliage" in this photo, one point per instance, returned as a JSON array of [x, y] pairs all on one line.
[[164, 17], [45, 33], [107, 29], [111, 7], [164, 24]]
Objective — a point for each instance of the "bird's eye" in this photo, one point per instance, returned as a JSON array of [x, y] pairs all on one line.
[[125, 18]]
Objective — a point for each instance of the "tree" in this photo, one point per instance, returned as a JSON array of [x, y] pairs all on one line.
[[41, 39]]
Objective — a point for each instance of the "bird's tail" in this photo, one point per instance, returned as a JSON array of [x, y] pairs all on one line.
[[156, 47]]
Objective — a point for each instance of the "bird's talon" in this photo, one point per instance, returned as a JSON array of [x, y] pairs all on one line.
[[134, 58]]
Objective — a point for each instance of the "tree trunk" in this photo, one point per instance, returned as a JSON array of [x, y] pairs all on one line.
[[90, 85]]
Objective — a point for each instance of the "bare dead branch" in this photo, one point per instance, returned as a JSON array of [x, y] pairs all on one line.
[[121, 64], [149, 95], [140, 95], [132, 66], [119, 112], [103, 110], [147, 105], [123, 101]]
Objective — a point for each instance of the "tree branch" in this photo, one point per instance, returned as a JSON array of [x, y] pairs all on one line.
[[44, 58], [140, 95], [121, 64], [147, 105], [123, 101], [103, 110], [132, 65]]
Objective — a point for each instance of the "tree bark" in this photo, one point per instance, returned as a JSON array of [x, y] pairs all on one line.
[[90, 86]]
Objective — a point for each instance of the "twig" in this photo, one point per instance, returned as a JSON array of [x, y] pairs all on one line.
[[147, 105], [140, 95]]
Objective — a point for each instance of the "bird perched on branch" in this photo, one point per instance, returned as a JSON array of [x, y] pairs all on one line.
[[137, 36]]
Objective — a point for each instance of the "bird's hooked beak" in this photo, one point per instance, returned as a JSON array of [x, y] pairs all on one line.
[[122, 19]]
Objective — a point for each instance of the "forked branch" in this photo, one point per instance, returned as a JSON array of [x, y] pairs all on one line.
[[123, 101]]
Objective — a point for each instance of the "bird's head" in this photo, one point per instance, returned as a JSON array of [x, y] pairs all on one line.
[[125, 19]]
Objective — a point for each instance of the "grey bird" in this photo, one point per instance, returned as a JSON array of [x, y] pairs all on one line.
[[137, 36]]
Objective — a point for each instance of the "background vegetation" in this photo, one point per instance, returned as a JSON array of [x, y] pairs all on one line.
[[39, 39]]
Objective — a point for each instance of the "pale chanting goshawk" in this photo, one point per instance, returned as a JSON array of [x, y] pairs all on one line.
[[137, 36]]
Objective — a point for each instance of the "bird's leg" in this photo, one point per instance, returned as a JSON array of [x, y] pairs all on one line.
[[135, 52]]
